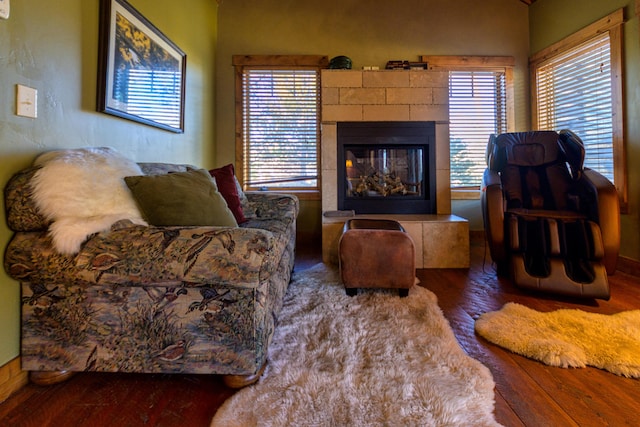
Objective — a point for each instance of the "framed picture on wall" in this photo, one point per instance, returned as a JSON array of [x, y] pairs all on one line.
[[141, 73]]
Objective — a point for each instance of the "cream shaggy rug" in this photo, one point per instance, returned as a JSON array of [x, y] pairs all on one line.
[[370, 360], [568, 337]]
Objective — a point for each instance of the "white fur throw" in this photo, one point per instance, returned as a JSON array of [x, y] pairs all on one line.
[[83, 192]]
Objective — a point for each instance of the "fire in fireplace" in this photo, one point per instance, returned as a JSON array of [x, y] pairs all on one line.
[[387, 167]]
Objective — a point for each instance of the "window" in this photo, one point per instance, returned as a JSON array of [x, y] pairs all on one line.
[[279, 122], [574, 92], [576, 83], [480, 104], [477, 109]]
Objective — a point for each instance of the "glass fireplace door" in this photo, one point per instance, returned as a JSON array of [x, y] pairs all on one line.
[[384, 172], [386, 167]]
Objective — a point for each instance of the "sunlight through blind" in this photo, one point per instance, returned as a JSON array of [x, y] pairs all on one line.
[[477, 108], [281, 128], [574, 92]]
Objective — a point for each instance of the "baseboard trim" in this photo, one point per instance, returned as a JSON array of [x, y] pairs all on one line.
[[12, 378], [628, 266]]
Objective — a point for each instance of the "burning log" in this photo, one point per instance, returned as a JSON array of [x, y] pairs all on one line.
[[385, 185]]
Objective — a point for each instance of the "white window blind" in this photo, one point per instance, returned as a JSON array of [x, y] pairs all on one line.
[[477, 108], [280, 128], [574, 92]]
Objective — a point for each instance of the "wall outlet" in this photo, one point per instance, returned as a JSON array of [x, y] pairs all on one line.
[[4, 9], [26, 101]]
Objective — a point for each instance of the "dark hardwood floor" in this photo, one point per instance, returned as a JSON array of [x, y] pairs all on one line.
[[528, 393]]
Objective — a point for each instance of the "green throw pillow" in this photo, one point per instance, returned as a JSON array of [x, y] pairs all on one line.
[[181, 198]]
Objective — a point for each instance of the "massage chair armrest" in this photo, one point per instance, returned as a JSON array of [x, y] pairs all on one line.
[[608, 214], [492, 200]]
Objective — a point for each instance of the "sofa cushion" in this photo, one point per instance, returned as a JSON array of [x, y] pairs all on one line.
[[181, 198], [226, 181]]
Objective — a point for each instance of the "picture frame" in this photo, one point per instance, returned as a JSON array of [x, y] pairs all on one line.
[[141, 72]]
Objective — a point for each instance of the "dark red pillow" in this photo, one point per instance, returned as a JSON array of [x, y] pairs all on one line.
[[225, 179]]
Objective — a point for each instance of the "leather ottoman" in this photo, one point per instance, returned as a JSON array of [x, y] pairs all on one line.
[[376, 253]]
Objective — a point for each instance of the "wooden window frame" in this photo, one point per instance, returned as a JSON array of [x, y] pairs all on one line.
[[478, 63], [242, 62], [611, 23]]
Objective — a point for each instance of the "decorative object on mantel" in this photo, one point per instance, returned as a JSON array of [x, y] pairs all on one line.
[[568, 338], [340, 63], [406, 65], [371, 359]]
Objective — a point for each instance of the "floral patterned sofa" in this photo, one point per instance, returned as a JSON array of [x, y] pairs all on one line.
[[171, 299]]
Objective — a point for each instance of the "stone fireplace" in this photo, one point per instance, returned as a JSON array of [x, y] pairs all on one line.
[[441, 239], [383, 96]]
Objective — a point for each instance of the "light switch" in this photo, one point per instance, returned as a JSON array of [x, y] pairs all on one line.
[[4, 9], [26, 101]]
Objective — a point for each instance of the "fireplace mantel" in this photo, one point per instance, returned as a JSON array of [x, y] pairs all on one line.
[[442, 240]]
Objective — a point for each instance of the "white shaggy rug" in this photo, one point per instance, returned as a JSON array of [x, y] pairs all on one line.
[[370, 360], [567, 337]]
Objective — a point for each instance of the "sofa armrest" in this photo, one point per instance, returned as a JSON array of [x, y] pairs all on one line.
[[227, 256], [135, 255], [268, 205]]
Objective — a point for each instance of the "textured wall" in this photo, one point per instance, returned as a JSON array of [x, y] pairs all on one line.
[[370, 32], [54, 49]]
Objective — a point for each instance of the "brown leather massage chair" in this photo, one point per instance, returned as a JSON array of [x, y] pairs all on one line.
[[551, 224]]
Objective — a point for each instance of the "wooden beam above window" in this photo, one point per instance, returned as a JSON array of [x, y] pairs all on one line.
[[321, 61], [457, 61]]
